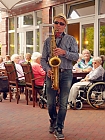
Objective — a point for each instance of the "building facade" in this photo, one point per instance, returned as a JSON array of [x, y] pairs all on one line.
[[25, 27]]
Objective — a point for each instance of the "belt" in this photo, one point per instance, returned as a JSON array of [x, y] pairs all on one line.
[[62, 70]]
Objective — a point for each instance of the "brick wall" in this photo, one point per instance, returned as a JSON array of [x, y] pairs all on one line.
[[36, 6], [45, 6]]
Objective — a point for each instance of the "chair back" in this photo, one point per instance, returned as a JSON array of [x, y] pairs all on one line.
[[28, 73], [13, 81], [11, 72], [30, 81]]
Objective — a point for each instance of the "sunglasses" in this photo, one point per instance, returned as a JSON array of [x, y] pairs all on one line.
[[60, 23], [94, 62]]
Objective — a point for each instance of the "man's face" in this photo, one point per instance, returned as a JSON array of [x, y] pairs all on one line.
[[59, 25]]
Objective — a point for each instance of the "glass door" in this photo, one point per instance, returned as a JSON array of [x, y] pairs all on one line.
[[87, 37], [83, 31]]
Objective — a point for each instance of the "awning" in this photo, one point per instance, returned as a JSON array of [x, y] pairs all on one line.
[[9, 4]]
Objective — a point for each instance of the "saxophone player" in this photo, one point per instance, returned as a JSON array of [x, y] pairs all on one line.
[[67, 51]]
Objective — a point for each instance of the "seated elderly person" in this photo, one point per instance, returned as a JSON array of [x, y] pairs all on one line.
[[20, 73], [2, 67], [103, 60], [37, 68], [16, 59], [38, 72], [85, 65], [7, 58], [1, 63], [75, 68], [27, 57], [96, 73]]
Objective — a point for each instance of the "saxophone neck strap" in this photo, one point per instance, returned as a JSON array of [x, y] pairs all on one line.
[[58, 44]]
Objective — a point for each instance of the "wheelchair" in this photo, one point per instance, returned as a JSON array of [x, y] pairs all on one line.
[[93, 94], [43, 98]]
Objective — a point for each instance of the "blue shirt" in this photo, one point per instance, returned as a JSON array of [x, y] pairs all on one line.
[[69, 44]]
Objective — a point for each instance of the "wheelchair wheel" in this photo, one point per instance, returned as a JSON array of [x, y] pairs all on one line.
[[79, 104], [42, 102], [95, 95]]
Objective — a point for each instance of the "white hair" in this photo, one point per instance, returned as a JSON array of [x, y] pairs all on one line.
[[36, 55], [14, 56], [98, 59], [85, 50]]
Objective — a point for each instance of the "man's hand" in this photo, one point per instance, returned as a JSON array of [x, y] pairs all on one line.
[[49, 73], [59, 51]]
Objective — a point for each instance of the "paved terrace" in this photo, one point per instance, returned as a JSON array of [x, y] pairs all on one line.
[[23, 122]]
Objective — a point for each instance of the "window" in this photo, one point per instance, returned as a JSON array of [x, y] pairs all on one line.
[[38, 17], [29, 42], [20, 43], [102, 37], [37, 41], [81, 9], [28, 19], [11, 23], [11, 43], [88, 37], [57, 10], [101, 7], [25, 20]]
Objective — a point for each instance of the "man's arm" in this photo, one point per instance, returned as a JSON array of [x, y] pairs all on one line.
[[45, 55], [71, 50]]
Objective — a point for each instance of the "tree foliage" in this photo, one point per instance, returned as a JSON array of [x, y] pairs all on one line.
[[89, 36]]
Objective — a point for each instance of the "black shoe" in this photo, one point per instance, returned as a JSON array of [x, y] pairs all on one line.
[[52, 126], [4, 95], [58, 134]]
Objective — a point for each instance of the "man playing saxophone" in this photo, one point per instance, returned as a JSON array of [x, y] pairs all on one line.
[[67, 51]]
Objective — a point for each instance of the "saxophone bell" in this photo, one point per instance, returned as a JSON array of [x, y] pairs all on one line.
[[54, 63]]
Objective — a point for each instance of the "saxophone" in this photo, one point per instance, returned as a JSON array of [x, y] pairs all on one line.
[[54, 62]]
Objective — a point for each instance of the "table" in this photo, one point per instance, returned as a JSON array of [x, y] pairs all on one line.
[[80, 74], [4, 85]]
